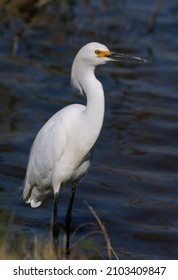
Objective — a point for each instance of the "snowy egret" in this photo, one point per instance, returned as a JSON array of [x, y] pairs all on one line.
[[61, 151]]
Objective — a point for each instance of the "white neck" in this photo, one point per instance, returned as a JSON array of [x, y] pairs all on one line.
[[95, 99], [86, 81]]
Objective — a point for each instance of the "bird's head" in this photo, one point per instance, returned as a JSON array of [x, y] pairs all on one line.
[[94, 54]]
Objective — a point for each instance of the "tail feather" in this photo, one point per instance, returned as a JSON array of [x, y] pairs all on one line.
[[33, 203], [33, 195]]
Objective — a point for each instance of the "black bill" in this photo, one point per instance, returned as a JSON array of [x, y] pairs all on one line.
[[125, 58]]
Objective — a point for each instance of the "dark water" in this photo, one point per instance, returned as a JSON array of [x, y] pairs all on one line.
[[133, 181]]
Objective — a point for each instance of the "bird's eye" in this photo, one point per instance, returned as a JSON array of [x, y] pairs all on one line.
[[98, 52]]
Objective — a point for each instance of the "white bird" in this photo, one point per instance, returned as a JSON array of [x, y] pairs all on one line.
[[61, 151]]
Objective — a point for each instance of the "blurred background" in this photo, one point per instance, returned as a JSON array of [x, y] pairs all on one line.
[[133, 181]]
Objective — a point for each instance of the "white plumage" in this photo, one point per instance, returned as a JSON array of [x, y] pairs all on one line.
[[62, 148]]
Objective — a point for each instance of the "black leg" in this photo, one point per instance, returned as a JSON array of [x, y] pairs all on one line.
[[68, 219], [55, 228]]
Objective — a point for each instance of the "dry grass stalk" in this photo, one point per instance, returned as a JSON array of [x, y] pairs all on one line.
[[110, 250]]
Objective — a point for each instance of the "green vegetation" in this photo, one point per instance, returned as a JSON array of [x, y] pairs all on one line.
[[13, 246]]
